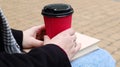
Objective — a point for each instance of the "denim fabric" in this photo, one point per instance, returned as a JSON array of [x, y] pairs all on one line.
[[98, 58]]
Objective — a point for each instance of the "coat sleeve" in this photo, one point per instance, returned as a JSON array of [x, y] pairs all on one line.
[[49, 55], [18, 35]]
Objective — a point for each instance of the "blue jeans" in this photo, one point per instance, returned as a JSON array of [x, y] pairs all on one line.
[[98, 58]]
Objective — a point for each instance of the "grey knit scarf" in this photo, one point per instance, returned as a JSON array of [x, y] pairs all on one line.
[[7, 39]]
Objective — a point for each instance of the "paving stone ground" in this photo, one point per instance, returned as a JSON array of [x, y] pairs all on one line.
[[96, 18]]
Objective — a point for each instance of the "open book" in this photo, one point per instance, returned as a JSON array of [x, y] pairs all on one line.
[[88, 44]]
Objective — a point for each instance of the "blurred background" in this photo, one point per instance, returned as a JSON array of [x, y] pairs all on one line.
[[95, 18]]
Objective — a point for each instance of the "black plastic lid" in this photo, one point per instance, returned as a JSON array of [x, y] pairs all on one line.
[[57, 10]]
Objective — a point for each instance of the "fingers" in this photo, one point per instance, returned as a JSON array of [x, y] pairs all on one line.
[[46, 39], [37, 43], [32, 43], [73, 37], [70, 31], [77, 47], [40, 28], [40, 32]]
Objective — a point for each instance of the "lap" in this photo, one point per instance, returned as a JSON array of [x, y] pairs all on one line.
[[98, 58]]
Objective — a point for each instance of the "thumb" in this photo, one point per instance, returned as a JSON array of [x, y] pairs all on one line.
[[37, 43], [46, 39]]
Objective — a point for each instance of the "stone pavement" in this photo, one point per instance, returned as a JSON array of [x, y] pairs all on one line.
[[96, 18]]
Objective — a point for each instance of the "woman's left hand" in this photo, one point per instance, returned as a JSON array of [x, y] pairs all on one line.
[[30, 37]]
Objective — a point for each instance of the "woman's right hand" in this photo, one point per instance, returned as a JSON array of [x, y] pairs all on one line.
[[66, 40]]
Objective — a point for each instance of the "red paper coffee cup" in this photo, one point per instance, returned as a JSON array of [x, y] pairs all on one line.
[[57, 18]]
